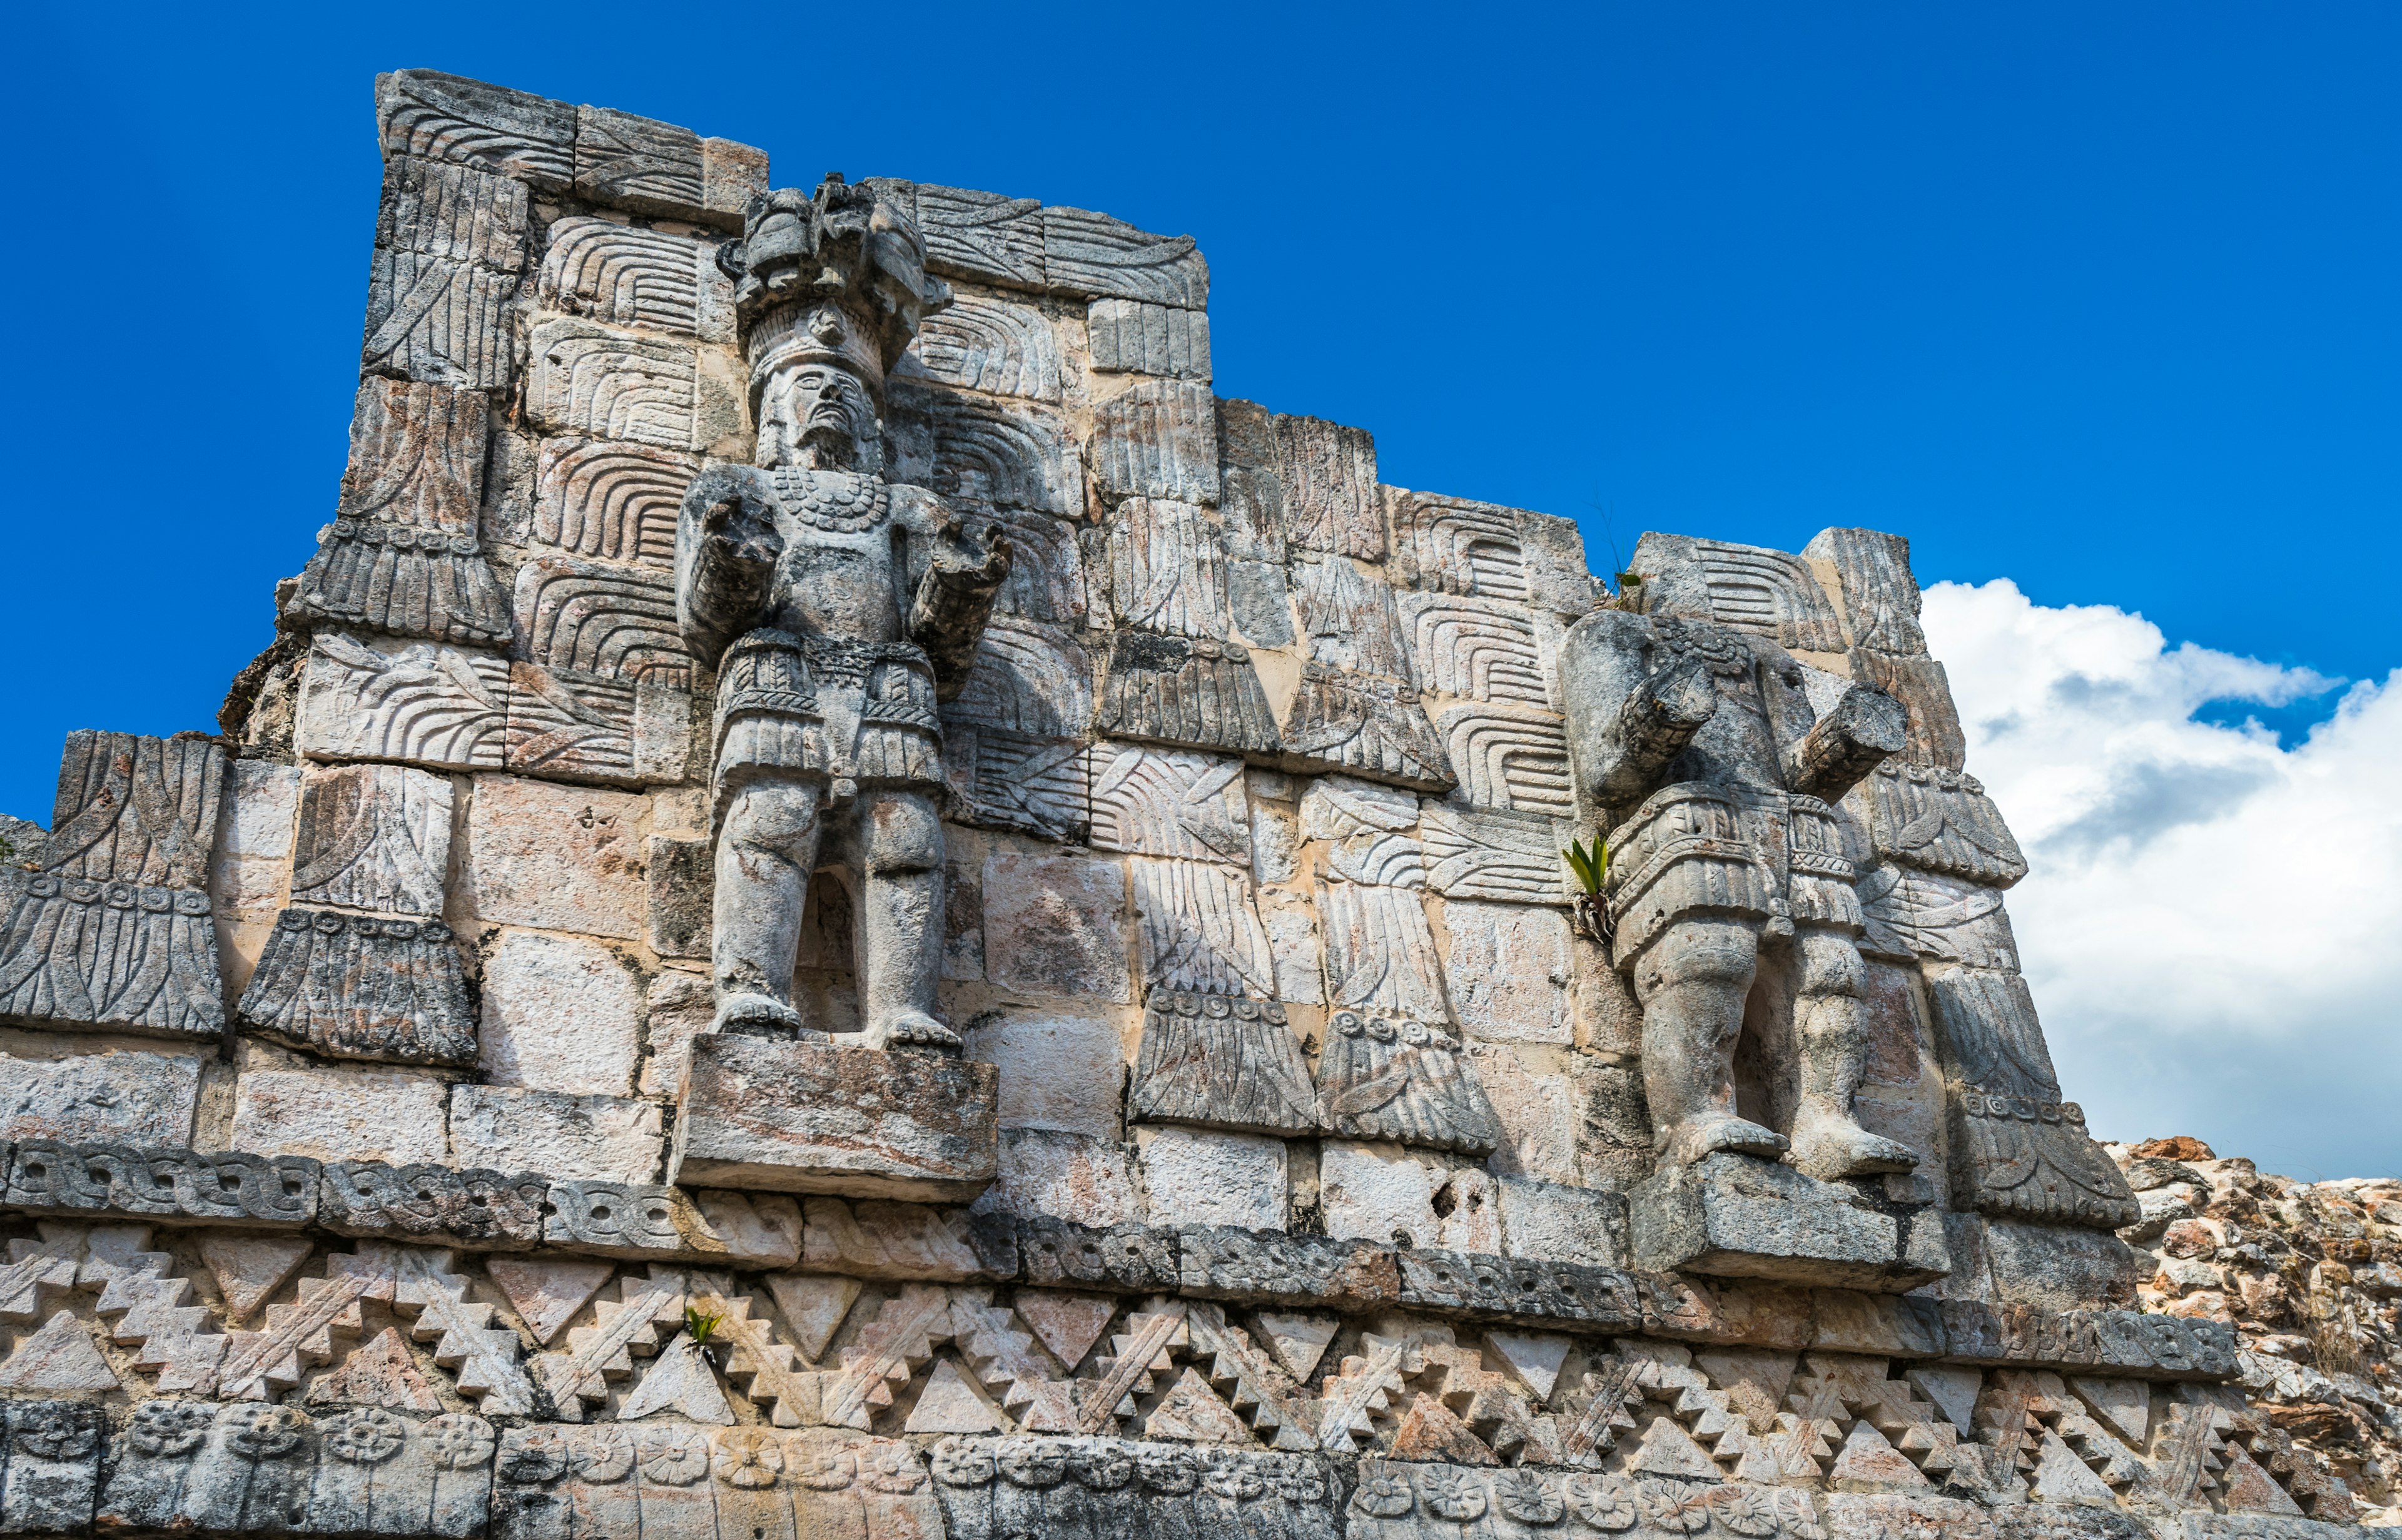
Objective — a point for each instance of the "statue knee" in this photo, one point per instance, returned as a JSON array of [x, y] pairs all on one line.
[[772, 815], [1699, 952], [903, 833], [1832, 966]]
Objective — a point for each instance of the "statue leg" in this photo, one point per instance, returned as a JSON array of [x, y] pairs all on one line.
[[1692, 982], [1829, 1024], [766, 851], [900, 920]]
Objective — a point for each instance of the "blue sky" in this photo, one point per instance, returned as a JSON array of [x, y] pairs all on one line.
[[2100, 300]]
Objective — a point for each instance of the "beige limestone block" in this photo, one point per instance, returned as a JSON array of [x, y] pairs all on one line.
[[342, 1114], [1548, 1222], [250, 871], [949, 1405], [1509, 971], [1299, 1342], [560, 1014], [678, 1380], [1065, 1073], [250, 1267], [567, 1138], [558, 858], [679, 1007], [378, 1372], [1064, 1175], [1291, 923], [1054, 924], [1376, 1193], [1200, 1177], [59, 1358], [1537, 1115], [1534, 1356], [547, 1294], [132, 1098], [1068, 1323], [813, 1305]]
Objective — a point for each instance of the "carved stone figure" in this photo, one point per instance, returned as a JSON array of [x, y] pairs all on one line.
[[1696, 748], [838, 610]]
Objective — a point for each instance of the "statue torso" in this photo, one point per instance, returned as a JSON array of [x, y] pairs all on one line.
[[843, 571]]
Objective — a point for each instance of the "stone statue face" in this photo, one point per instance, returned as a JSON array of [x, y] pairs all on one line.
[[820, 415]]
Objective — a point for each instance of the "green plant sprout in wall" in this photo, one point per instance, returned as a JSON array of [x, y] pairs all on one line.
[[1589, 866]]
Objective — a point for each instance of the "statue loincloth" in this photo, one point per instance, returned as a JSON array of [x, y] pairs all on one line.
[[851, 714]]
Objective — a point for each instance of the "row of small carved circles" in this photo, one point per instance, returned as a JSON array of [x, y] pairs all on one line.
[[121, 895], [1605, 1503], [1350, 1023], [403, 537], [365, 1436], [329, 923], [1217, 1008]]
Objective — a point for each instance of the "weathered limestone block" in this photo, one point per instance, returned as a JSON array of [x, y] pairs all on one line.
[[609, 730], [659, 169], [1157, 802], [1199, 931], [687, 1482], [560, 1014], [416, 704], [1130, 337], [980, 235], [1936, 738], [1220, 1063], [119, 1097], [1480, 649], [1393, 1076], [911, 1241], [1158, 439], [1252, 493], [558, 858], [1085, 252], [1507, 857], [1548, 1222], [1059, 1254], [372, 836], [1509, 758], [1940, 821], [1054, 926], [1198, 1177], [617, 501], [474, 1207], [1509, 970], [338, 1114], [53, 1466], [628, 276], [1005, 453], [1043, 1172], [1066, 1074], [1880, 599], [597, 381], [1743, 587], [682, 876], [362, 987], [251, 1190], [450, 247], [449, 118], [115, 930], [990, 1489], [990, 345], [761, 1114], [1521, 1291], [402, 556], [1012, 748], [1270, 1267], [2057, 1267], [1733, 1216], [595, 1138], [2019, 1151], [1380, 953], [248, 871], [1916, 915], [1452, 545], [1330, 497]]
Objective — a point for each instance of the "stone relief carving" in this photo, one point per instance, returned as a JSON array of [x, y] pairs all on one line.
[[628, 276], [994, 345], [1331, 500], [450, 246], [115, 930], [617, 501], [839, 609], [1762, 593], [1697, 749], [1157, 439], [402, 555], [1174, 675]]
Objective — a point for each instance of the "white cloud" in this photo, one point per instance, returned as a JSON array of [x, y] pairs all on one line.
[[2213, 927]]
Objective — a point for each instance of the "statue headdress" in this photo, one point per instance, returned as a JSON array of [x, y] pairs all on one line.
[[836, 276]]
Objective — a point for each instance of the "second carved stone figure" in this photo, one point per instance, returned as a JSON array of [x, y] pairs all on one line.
[[839, 609], [1697, 749]]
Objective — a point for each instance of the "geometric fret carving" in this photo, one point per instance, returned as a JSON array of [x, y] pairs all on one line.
[[989, 345], [1008, 453], [629, 277], [618, 622], [1483, 652], [1449, 545], [600, 383], [1743, 587], [617, 501], [448, 118], [1510, 757]]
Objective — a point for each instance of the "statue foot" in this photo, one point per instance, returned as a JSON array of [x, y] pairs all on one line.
[[1834, 1150], [758, 1015], [909, 1029], [1723, 1132]]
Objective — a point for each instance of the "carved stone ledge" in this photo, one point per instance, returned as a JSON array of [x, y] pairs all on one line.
[[467, 1208], [46, 1175], [1735, 1216]]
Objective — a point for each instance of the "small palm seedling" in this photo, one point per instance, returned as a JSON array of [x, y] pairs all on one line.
[[702, 1327], [1590, 865]]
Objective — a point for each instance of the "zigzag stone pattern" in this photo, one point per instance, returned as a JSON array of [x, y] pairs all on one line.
[[1310, 1117]]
